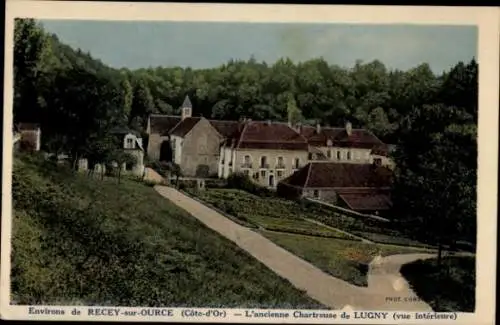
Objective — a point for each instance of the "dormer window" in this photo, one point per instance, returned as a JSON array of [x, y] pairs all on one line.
[[130, 143], [328, 143]]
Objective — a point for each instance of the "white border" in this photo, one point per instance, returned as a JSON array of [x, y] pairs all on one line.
[[486, 18]]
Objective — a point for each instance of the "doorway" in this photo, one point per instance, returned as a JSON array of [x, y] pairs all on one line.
[[271, 180]]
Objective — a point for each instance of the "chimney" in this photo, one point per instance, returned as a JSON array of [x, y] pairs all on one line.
[[318, 128], [348, 128]]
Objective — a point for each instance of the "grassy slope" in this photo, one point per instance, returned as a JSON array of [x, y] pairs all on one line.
[[345, 259], [454, 291], [77, 240], [269, 213]]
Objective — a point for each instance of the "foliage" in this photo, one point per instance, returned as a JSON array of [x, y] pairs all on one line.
[[369, 94], [243, 182], [79, 240], [432, 118], [452, 290]]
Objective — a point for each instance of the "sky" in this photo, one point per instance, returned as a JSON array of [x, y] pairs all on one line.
[[142, 44]]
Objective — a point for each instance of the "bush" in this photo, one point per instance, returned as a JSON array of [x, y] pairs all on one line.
[[243, 182]]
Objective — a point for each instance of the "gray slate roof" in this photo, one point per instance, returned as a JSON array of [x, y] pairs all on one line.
[[187, 102]]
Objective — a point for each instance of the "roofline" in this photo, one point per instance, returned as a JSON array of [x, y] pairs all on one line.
[[178, 123]]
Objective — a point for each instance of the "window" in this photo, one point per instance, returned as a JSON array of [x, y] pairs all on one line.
[[316, 193], [310, 156], [297, 163], [130, 143], [279, 173], [263, 162], [281, 162], [377, 161], [339, 155], [348, 155], [263, 173], [247, 172], [246, 161], [329, 154]]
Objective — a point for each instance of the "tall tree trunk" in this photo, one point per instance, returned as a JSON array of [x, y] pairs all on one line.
[[119, 174], [75, 161]]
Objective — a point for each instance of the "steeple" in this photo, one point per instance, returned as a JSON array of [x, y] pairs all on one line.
[[186, 108]]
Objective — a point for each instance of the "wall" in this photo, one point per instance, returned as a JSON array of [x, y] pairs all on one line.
[[272, 156], [200, 150], [325, 195], [138, 168], [154, 145], [226, 161], [358, 156], [177, 145]]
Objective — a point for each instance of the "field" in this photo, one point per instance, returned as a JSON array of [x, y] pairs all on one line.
[[84, 241], [272, 213], [286, 223], [345, 259], [452, 290], [265, 213]]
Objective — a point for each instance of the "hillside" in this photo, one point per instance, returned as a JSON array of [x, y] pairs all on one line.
[[86, 241]]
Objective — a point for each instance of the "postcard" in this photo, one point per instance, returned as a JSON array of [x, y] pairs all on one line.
[[249, 163]]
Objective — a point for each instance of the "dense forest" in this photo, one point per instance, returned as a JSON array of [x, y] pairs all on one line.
[[432, 118]]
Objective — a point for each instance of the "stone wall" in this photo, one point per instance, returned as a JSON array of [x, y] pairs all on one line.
[[154, 145], [325, 195], [200, 150]]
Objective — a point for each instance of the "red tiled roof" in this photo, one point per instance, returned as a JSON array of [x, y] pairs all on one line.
[[184, 126], [359, 138], [228, 129], [163, 123], [380, 150], [337, 175], [268, 135], [360, 202], [366, 199]]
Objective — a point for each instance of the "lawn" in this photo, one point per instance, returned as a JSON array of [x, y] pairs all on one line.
[[452, 291], [345, 259], [267, 213], [84, 241]]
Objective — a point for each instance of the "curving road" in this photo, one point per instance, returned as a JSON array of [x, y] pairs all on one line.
[[384, 280]]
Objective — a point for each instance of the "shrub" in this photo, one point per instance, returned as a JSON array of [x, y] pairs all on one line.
[[243, 182]]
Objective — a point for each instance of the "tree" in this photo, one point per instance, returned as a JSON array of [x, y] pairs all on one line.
[[122, 158], [31, 55], [294, 113], [434, 190]]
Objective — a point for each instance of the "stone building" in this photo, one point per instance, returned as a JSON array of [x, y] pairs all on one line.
[[360, 187], [345, 145], [266, 151]]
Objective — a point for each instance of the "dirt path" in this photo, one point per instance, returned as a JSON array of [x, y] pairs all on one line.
[[384, 279]]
